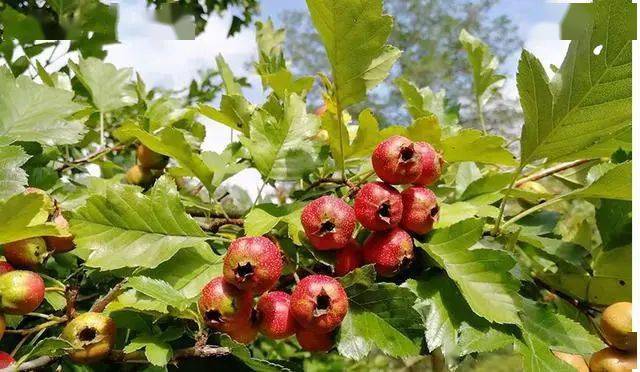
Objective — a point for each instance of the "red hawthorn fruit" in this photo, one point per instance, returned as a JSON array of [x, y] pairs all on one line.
[[5, 267], [421, 210], [27, 253], [22, 292], [252, 264], [390, 251], [328, 222], [5, 360], [314, 341], [222, 305], [378, 206], [431, 164], [348, 258], [319, 302], [276, 321], [245, 332], [60, 244], [396, 160]]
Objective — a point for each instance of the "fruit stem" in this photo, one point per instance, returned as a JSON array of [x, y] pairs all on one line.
[[549, 171], [340, 126], [503, 203], [533, 209], [101, 130]]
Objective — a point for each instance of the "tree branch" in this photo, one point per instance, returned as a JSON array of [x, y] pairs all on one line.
[[89, 158], [549, 171], [71, 295], [103, 301], [215, 224]]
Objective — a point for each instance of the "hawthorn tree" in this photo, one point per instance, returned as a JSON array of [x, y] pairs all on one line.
[[426, 243]]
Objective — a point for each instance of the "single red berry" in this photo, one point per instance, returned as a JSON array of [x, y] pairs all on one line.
[[348, 258], [276, 321], [328, 222], [21, 292], [6, 360], [5, 267], [246, 331], [252, 264], [222, 305], [432, 163], [60, 244], [319, 302], [27, 253], [314, 341], [378, 206], [421, 210], [390, 251], [396, 161]]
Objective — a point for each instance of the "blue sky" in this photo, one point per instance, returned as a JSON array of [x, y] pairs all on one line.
[[153, 51]]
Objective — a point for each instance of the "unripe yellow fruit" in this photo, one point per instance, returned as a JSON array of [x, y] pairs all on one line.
[[150, 159], [616, 326], [576, 361], [93, 334], [138, 175], [612, 360]]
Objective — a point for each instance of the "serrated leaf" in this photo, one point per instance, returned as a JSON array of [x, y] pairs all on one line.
[[241, 352], [483, 66], [424, 102], [449, 322], [359, 57], [281, 148], [51, 346], [538, 358], [158, 290], [12, 177], [614, 183], [472, 145], [171, 142], [25, 216], [264, 217], [559, 332], [486, 184], [134, 300], [453, 213], [158, 352], [589, 99], [34, 112], [235, 112], [613, 218], [110, 88], [129, 229], [361, 276], [481, 274], [379, 317]]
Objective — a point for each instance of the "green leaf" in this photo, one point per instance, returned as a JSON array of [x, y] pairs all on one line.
[[19, 26], [483, 66], [34, 112], [170, 142], [559, 332], [379, 316], [229, 82], [424, 102], [129, 229], [12, 177], [537, 356], [158, 290], [25, 216], [235, 112], [110, 88], [481, 274], [282, 149], [613, 218], [157, 351], [134, 300], [589, 99], [359, 58], [472, 145], [189, 270], [487, 184], [361, 276], [241, 352], [51, 346], [615, 183], [264, 217], [453, 213], [450, 323]]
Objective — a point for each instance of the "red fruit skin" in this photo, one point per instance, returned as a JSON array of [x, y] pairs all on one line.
[[5, 360], [319, 302], [27, 253], [60, 244], [348, 258], [224, 306], [378, 206], [421, 210], [5, 267], [328, 222], [22, 292], [252, 264], [276, 321], [396, 161], [432, 163], [390, 251], [245, 332], [314, 341]]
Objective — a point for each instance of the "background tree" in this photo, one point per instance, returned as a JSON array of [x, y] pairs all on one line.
[[427, 33]]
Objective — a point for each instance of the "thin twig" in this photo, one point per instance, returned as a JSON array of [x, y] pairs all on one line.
[[549, 171], [215, 224], [71, 295], [105, 300], [39, 327], [91, 157]]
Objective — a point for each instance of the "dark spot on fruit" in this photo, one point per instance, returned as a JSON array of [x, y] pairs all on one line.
[[435, 210], [384, 210], [213, 315], [406, 261], [622, 282], [87, 334], [406, 153], [244, 271], [327, 227], [323, 302]]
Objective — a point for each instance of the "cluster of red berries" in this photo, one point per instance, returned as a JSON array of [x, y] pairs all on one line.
[[391, 216], [252, 266]]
